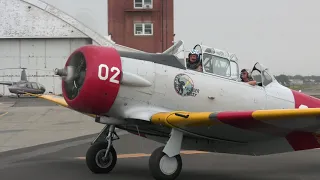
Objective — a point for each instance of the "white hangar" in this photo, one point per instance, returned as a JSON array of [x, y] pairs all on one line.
[[40, 37]]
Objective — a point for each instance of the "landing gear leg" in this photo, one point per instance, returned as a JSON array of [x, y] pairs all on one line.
[[165, 163], [101, 157]]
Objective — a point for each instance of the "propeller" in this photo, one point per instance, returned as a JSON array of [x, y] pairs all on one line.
[[73, 75]]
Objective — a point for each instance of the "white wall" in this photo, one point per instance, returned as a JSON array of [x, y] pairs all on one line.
[[19, 21], [93, 14], [39, 56]]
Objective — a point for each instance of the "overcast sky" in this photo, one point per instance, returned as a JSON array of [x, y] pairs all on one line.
[[283, 35]]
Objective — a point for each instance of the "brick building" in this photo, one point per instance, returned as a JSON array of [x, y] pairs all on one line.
[[145, 25]]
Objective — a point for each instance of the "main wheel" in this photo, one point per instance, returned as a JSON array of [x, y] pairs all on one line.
[[95, 158], [163, 167]]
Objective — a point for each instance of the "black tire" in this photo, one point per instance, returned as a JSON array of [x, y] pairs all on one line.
[[94, 154], [154, 165]]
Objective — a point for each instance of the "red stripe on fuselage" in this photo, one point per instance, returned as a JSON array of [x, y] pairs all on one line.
[[303, 99]]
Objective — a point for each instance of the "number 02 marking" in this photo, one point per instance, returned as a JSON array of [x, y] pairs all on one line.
[[106, 76]]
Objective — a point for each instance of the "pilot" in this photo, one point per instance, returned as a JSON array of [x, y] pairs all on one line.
[[194, 61], [245, 77]]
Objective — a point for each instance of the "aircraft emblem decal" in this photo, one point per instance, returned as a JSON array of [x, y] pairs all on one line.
[[184, 86]]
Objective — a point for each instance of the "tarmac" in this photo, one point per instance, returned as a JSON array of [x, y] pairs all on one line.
[[29, 121], [43, 141]]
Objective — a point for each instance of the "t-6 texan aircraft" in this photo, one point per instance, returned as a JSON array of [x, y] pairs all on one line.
[[158, 97]]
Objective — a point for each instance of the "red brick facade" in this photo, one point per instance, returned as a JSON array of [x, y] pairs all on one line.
[[122, 16]]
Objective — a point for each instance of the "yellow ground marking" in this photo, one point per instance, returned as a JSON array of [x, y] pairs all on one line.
[[3, 114], [136, 155]]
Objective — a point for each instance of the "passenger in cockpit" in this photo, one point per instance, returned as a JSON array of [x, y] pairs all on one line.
[[194, 61], [245, 77]]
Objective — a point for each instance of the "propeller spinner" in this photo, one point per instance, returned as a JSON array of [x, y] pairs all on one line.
[[67, 74]]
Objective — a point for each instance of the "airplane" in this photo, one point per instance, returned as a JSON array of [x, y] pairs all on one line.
[[157, 97], [23, 86]]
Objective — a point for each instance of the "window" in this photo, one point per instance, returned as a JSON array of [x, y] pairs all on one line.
[[139, 4], [216, 65], [29, 85], [34, 85], [143, 29], [256, 75], [234, 70], [267, 79], [22, 85]]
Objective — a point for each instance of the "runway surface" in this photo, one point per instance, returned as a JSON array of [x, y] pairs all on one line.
[[29, 121], [25, 101], [61, 160]]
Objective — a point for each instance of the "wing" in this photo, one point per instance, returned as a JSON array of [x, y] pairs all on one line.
[[286, 118], [287, 129], [295, 127], [271, 122], [9, 83]]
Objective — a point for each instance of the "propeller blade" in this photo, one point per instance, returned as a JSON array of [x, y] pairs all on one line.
[[67, 74], [71, 75]]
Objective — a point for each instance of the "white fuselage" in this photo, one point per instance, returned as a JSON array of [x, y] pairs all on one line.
[[212, 93]]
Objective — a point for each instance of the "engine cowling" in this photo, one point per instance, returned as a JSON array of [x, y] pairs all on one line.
[[94, 82]]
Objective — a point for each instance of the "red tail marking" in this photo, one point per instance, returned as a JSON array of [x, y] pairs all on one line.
[[303, 99]]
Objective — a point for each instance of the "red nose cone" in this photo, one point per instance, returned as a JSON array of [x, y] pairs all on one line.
[[98, 70]]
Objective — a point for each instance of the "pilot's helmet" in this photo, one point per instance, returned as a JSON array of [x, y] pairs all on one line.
[[245, 71], [195, 52]]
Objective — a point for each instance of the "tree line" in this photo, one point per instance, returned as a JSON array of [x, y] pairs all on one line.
[[285, 79]]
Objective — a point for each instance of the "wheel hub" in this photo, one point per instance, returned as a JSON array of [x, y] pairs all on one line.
[[168, 165], [103, 162]]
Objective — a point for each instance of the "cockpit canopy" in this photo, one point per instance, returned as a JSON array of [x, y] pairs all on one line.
[[262, 75], [214, 61], [221, 63], [218, 62]]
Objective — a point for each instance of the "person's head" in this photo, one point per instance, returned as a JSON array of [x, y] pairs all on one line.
[[194, 56], [244, 75]]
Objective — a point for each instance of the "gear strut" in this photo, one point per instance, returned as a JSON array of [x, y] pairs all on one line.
[[110, 138]]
